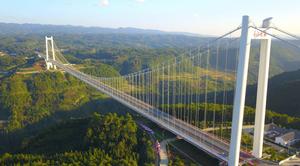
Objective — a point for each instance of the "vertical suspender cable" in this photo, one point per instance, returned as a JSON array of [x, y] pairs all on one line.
[[174, 93], [216, 86], [198, 90], [206, 88], [168, 97], [158, 92], [192, 111], [180, 91], [185, 90], [224, 87], [163, 91]]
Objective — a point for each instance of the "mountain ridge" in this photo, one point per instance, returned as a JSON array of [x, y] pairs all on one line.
[[28, 28]]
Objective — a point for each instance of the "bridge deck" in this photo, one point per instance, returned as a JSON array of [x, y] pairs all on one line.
[[205, 141]]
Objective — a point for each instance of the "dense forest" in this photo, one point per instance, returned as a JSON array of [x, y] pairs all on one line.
[[222, 114], [283, 93], [27, 99], [99, 140], [9, 62]]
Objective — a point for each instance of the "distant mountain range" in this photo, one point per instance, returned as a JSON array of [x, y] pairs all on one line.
[[284, 58], [12, 28]]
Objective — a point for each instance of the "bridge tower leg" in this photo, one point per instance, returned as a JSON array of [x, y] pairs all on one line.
[[49, 65], [261, 99], [240, 94], [47, 54], [53, 51]]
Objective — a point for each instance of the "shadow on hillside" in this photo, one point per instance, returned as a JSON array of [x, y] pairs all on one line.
[[11, 142]]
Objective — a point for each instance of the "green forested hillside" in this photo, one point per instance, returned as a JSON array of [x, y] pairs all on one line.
[[283, 93], [96, 68], [222, 114], [26, 99], [283, 58], [99, 140], [9, 62]]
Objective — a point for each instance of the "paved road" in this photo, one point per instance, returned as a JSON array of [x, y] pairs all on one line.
[[163, 151]]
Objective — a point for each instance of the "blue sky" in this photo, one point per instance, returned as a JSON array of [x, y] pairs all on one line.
[[197, 16]]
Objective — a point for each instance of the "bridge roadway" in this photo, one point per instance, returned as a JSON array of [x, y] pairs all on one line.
[[205, 141]]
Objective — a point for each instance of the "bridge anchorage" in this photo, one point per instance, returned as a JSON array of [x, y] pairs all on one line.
[[190, 93]]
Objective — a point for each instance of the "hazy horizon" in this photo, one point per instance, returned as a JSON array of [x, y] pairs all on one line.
[[113, 28], [198, 17]]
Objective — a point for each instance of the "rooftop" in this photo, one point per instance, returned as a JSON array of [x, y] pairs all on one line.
[[290, 136]]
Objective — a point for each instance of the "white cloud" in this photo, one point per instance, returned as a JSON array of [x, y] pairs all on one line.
[[104, 2], [140, 1]]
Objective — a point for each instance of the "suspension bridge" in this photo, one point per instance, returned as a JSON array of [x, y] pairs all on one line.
[[190, 93]]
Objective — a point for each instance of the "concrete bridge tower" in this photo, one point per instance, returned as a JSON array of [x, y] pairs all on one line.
[[50, 43], [248, 33]]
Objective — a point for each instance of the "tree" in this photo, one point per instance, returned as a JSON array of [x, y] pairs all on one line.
[[16, 99]]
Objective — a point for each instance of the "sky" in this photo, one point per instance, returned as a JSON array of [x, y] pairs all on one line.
[[209, 17]]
